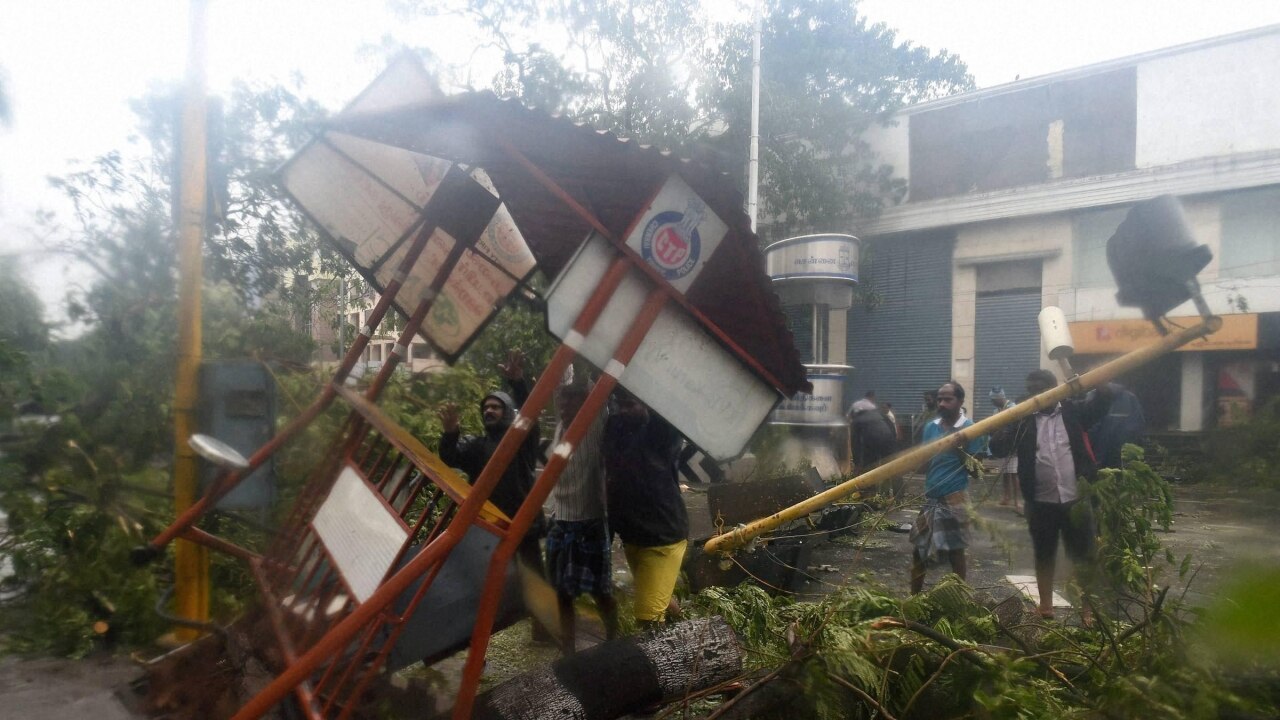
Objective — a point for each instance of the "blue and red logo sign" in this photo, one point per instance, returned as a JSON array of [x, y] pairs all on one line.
[[671, 244]]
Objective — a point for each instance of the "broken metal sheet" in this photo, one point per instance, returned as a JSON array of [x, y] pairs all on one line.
[[615, 180], [679, 370]]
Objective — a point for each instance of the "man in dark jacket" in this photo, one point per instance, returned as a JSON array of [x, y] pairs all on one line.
[[1123, 424], [1053, 455], [472, 452], [645, 509]]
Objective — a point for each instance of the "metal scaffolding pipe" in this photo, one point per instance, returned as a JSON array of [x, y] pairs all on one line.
[[914, 458]]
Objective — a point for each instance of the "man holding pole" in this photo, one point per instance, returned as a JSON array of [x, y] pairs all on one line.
[[941, 530], [1053, 454]]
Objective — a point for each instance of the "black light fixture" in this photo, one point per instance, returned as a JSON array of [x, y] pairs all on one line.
[[1154, 259]]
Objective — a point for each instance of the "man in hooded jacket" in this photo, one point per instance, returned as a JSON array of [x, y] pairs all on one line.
[[470, 453]]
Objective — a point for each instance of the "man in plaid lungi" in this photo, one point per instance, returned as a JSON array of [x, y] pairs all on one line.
[[579, 561], [941, 530]]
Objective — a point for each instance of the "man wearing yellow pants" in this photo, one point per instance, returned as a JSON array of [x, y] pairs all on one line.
[[641, 452]]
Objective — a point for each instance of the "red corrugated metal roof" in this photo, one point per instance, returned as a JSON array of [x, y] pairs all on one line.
[[614, 179]]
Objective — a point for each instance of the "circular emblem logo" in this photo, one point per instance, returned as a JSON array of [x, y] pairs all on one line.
[[666, 246]]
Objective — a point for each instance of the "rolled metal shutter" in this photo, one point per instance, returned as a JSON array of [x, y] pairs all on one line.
[[1006, 346], [902, 346]]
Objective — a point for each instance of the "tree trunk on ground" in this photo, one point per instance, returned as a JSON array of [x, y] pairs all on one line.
[[622, 676]]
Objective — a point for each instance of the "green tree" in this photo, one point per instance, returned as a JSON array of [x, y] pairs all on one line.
[[24, 340], [83, 491], [669, 74], [827, 76]]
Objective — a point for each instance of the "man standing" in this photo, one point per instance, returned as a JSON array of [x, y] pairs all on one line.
[[928, 411], [1053, 453], [1007, 462], [941, 530], [472, 452], [868, 402], [578, 553], [1123, 424], [887, 409], [872, 439], [645, 508]]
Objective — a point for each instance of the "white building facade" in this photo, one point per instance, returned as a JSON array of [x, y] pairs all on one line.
[[1013, 192]]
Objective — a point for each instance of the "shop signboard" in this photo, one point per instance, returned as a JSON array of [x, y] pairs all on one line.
[[1112, 337]]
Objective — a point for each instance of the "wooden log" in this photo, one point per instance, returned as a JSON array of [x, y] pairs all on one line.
[[622, 676]]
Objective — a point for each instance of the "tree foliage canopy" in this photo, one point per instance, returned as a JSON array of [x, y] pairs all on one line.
[[672, 74], [84, 489]]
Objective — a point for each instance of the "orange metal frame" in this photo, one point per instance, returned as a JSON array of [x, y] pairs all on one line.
[[333, 646]]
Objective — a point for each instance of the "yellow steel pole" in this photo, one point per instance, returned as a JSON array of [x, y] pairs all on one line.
[[191, 564], [914, 458]]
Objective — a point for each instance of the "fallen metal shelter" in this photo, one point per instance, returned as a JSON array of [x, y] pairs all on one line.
[[447, 205]]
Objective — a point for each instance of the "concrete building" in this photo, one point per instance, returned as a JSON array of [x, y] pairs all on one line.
[[337, 317], [1013, 192]]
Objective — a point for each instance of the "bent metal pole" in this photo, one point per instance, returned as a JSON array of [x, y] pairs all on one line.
[[912, 459]]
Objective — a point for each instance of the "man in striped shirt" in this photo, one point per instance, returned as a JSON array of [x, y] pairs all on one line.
[[578, 554]]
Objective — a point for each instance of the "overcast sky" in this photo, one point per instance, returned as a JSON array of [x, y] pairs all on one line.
[[71, 66]]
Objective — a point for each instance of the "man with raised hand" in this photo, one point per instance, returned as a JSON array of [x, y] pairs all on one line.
[[470, 453]]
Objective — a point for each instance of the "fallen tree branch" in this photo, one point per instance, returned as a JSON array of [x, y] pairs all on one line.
[[862, 694], [906, 710], [966, 652]]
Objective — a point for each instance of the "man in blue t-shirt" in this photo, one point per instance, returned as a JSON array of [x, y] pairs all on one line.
[[941, 530]]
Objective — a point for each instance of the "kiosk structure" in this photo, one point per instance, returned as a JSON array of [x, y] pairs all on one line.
[[815, 276]]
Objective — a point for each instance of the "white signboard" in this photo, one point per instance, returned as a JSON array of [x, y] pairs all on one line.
[[361, 534], [679, 370], [677, 233], [824, 407], [832, 257], [369, 197]]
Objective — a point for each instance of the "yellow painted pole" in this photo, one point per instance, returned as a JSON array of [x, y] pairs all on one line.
[[191, 563], [914, 458]]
